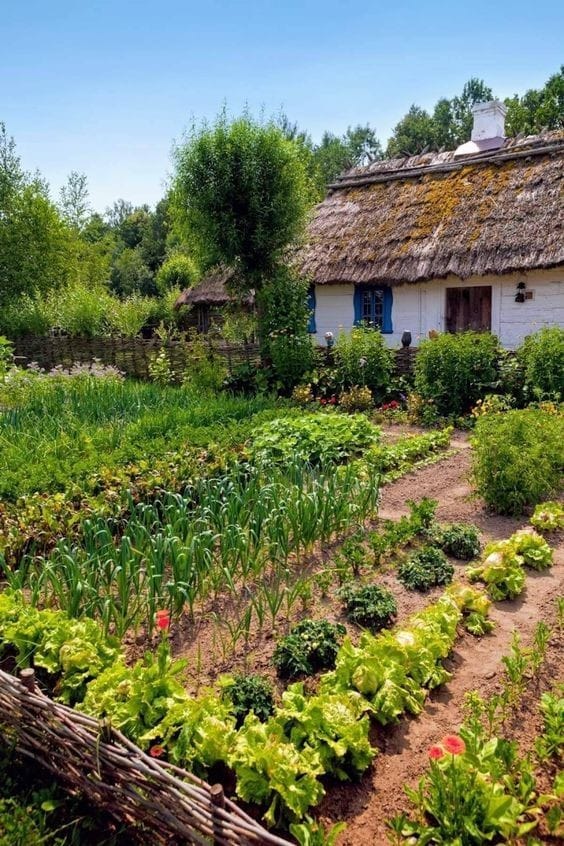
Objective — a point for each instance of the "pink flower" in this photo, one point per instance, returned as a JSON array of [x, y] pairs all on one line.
[[436, 752], [453, 744], [156, 751]]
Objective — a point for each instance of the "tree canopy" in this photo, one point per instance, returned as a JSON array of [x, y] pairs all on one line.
[[243, 190]]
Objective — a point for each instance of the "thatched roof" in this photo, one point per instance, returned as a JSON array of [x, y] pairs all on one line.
[[436, 214], [212, 290]]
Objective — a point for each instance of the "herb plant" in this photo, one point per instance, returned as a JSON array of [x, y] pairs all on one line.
[[370, 606]]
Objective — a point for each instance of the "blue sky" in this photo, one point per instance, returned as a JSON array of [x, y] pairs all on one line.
[[105, 86]]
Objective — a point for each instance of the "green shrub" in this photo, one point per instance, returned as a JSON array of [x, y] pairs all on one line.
[[542, 358], [455, 371], [518, 458], [178, 271], [461, 541], [127, 317], [311, 645], [248, 694], [425, 569], [314, 437], [370, 606], [362, 359]]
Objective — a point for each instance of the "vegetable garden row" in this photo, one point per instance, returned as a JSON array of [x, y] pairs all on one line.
[[251, 546]]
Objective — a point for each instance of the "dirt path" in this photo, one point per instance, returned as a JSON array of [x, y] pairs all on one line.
[[475, 663]]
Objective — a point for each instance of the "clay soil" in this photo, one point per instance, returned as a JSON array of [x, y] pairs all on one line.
[[475, 663]]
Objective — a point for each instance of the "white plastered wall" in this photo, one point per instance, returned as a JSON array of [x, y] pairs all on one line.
[[421, 307]]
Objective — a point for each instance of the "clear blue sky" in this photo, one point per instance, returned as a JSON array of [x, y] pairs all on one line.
[[105, 86]]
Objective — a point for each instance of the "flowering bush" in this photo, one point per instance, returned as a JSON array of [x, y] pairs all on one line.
[[302, 395], [357, 399]]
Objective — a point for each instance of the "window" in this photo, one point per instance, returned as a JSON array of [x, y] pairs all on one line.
[[373, 307], [311, 327]]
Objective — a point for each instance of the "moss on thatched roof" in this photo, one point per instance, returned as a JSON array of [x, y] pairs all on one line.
[[429, 216]]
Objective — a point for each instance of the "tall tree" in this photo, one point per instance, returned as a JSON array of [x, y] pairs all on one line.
[[75, 200], [244, 192], [359, 145], [414, 133], [537, 108]]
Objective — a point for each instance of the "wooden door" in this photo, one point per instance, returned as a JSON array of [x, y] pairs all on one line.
[[469, 308]]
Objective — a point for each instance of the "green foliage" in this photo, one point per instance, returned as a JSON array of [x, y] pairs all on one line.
[[362, 359], [454, 371], [130, 274], [312, 645], [244, 192], [247, 694], [370, 606], [357, 147], [517, 458], [312, 833], [501, 571], [178, 271], [542, 359], [425, 569], [315, 438], [461, 540], [448, 126], [356, 399], [284, 315], [269, 769], [537, 109], [399, 533], [331, 723], [71, 652], [533, 548], [392, 670], [480, 794], [550, 744], [548, 517], [475, 607]]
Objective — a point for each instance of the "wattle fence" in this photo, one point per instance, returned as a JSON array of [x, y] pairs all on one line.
[[133, 355], [163, 803]]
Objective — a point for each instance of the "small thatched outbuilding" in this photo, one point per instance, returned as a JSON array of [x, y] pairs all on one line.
[[471, 238], [208, 298]]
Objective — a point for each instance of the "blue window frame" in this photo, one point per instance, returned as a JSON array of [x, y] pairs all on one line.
[[373, 307], [311, 327]]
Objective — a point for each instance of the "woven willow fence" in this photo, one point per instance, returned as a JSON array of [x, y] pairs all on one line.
[[133, 355], [130, 355], [96, 761]]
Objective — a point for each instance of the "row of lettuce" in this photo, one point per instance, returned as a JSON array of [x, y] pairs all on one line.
[[278, 763]]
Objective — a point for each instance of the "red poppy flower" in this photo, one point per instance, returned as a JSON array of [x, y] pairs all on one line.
[[453, 744], [156, 751], [436, 752], [163, 620]]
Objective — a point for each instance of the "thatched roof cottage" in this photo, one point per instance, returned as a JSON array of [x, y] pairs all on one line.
[[208, 298], [466, 239]]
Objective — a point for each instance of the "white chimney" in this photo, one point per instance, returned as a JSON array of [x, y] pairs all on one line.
[[488, 132]]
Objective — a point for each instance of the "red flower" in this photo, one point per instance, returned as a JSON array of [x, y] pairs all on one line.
[[394, 404], [323, 401], [453, 744], [163, 620], [436, 752], [333, 400], [156, 751]]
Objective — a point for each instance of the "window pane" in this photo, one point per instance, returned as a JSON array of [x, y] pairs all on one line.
[[367, 307]]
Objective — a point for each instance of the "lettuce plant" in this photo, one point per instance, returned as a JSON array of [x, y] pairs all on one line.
[[548, 517], [501, 571], [535, 551]]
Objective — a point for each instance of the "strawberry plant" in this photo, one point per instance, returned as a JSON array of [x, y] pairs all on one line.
[[311, 645], [426, 569], [247, 694], [460, 540], [370, 606]]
